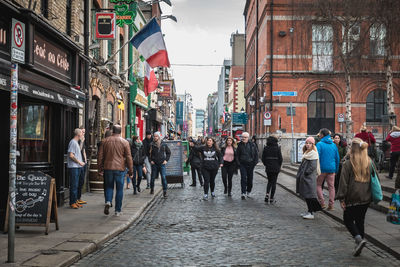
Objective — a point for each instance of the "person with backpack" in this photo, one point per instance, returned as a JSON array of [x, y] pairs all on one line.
[[354, 191], [211, 160], [230, 164], [195, 163], [272, 160], [159, 156], [138, 157], [306, 178], [247, 153]]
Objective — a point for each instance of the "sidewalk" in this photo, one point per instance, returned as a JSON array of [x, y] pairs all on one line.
[[81, 231], [377, 230]]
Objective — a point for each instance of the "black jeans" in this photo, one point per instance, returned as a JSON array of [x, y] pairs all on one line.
[[394, 157], [227, 173], [193, 169], [271, 186], [246, 177], [209, 179], [354, 217], [313, 205]]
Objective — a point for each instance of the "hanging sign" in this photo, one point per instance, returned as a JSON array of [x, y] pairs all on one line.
[[18, 41], [124, 15], [105, 25]]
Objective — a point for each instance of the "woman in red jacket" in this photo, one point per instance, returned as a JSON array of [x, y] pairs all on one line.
[[368, 138], [394, 139]]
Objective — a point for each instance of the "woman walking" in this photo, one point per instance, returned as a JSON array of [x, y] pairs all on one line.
[[138, 157], [230, 164], [272, 159], [337, 139], [306, 182], [354, 191], [195, 163], [211, 160]]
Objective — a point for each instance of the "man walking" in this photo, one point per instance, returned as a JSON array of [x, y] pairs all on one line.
[[159, 156], [75, 164], [114, 157], [82, 174], [248, 158], [146, 148], [329, 164]]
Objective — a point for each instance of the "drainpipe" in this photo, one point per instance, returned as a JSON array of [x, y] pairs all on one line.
[[256, 88], [132, 86], [86, 52], [271, 52]]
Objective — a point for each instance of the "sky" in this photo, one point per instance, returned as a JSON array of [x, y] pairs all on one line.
[[201, 36]]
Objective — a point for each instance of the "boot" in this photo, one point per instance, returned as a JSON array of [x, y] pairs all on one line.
[[152, 191]]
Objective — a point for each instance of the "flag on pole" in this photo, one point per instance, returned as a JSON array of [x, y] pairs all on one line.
[[150, 80], [149, 41]]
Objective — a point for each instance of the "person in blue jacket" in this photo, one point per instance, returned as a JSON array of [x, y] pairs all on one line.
[[329, 164]]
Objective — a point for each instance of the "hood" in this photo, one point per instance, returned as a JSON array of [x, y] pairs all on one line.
[[395, 134], [327, 139], [272, 141]]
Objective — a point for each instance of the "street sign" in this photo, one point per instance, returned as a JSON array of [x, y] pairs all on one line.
[[267, 115], [340, 117], [239, 118], [105, 25], [18, 41], [284, 93], [267, 122]]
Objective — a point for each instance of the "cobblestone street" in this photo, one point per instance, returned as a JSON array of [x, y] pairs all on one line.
[[185, 230]]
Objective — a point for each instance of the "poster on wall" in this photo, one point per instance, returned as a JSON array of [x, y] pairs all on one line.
[[299, 147]]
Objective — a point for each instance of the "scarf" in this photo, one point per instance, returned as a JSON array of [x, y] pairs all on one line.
[[312, 155]]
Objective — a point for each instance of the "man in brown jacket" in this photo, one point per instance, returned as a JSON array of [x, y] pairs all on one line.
[[114, 157]]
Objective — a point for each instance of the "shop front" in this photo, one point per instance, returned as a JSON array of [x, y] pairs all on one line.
[[141, 103]]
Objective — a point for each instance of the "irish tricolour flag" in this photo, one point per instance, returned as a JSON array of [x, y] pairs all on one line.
[[150, 80], [149, 42]]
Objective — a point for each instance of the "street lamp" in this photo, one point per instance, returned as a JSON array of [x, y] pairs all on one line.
[[252, 101]]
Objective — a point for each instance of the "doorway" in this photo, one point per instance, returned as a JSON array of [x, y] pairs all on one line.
[[320, 111]]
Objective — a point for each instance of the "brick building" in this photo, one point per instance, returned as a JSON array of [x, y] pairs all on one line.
[[290, 48]]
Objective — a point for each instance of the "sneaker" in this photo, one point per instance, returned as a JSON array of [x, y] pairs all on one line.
[[323, 206], [80, 201], [266, 199], [79, 205], [193, 185], [309, 216], [152, 191], [225, 191], [212, 194], [359, 247], [243, 196], [138, 189], [205, 197], [387, 176], [272, 201], [118, 213], [303, 213], [74, 206], [165, 194], [229, 194], [134, 192], [148, 186], [248, 194], [330, 208], [106, 208]]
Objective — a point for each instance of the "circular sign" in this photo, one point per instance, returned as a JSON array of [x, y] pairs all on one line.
[[267, 115], [18, 34], [341, 116]]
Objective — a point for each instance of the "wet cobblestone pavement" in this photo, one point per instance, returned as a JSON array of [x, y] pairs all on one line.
[[184, 230]]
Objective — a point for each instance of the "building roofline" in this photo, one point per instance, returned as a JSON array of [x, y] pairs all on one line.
[[246, 8]]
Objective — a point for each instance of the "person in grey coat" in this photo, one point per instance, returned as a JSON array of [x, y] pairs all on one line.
[[306, 182]]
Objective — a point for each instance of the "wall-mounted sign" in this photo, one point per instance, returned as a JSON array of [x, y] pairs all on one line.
[[105, 25], [124, 15], [4, 37], [141, 99], [18, 41], [51, 59], [166, 89], [122, 1]]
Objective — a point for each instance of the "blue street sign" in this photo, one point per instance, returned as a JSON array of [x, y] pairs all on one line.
[[239, 118], [284, 93]]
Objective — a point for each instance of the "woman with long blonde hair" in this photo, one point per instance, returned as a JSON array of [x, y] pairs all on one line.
[[354, 191]]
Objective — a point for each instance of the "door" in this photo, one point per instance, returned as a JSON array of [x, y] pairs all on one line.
[[320, 111]]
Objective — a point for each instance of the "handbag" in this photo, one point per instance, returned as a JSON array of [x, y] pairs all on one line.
[[376, 189]]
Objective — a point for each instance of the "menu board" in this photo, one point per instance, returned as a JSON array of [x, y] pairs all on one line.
[[32, 198], [174, 166]]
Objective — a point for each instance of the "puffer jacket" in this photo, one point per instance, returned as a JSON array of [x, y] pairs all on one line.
[[328, 155], [272, 156], [115, 154], [394, 139], [138, 154]]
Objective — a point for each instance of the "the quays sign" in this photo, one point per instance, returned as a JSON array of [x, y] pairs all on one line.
[[51, 59]]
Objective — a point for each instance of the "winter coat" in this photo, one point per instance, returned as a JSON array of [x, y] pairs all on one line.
[[247, 153], [342, 152], [159, 155], [272, 156], [350, 191], [306, 178], [367, 137], [137, 152], [146, 146], [211, 158], [328, 155], [194, 157], [394, 139]]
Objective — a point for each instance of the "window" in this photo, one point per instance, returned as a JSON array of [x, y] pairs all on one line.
[[322, 47], [376, 105], [110, 111], [321, 104], [353, 37], [95, 52], [33, 138], [44, 8], [377, 40]]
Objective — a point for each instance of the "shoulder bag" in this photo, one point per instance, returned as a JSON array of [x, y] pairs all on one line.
[[376, 189]]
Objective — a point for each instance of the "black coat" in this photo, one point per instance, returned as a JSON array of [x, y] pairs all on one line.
[[146, 146], [247, 153], [194, 157], [211, 158], [138, 155], [158, 155], [272, 156]]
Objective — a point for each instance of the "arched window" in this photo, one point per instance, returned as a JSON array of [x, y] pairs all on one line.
[[376, 105], [320, 111], [110, 111]]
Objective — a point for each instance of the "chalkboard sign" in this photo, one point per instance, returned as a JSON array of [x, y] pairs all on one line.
[[35, 200], [174, 166]]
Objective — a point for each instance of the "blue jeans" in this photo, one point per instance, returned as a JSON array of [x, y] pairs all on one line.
[[117, 177], [73, 184], [81, 181], [246, 177], [139, 170], [155, 170]]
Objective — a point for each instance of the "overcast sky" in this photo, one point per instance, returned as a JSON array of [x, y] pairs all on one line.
[[201, 36]]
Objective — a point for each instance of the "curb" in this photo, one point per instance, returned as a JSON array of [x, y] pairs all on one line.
[[338, 219], [69, 257]]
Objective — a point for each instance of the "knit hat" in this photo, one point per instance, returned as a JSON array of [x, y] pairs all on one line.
[[148, 132], [310, 140]]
